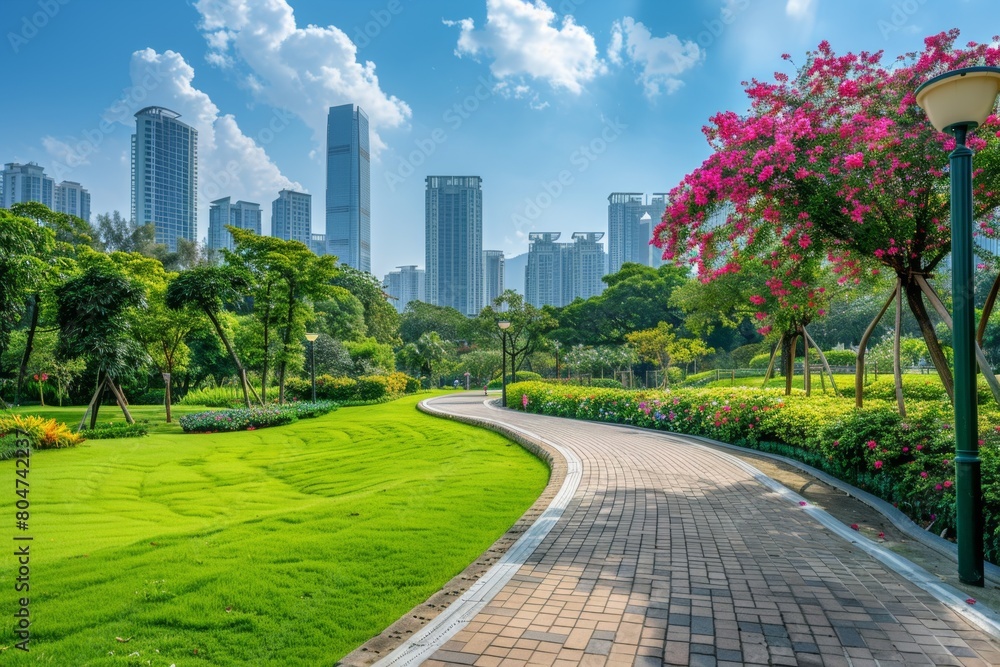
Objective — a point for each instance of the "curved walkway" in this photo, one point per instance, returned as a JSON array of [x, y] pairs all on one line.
[[674, 554]]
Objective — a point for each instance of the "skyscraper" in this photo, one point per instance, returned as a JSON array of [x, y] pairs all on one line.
[[242, 214], [165, 175], [404, 286], [453, 242], [589, 259], [629, 232], [493, 275], [70, 197], [559, 273], [291, 217], [348, 186], [547, 274], [27, 182]]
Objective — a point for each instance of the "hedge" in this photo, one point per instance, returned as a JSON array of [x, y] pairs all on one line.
[[349, 390], [908, 462], [249, 419]]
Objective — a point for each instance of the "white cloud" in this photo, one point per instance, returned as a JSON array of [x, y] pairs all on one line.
[[229, 162], [801, 10], [63, 153], [304, 70], [523, 40], [661, 60]]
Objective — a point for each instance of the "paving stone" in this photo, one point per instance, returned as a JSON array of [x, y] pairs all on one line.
[[670, 554]]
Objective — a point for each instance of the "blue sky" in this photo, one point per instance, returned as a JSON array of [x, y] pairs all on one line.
[[555, 105]]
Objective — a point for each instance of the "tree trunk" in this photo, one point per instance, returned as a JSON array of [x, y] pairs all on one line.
[[822, 358], [806, 375], [859, 368], [770, 364], [897, 373], [287, 340], [788, 351], [267, 345], [232, 353], [984, 365], [991, 300], [120, 398], [914, 297], [28, 346], [166, 395]]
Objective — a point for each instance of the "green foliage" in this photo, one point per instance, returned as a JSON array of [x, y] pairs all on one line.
[[149, 397], [915, 388], [42, 432], [370, 356], [110, 430], [213, 397], [420, 318], [605, 383], [239, 419], [308, 409], [760, 361], [522, 376], [841, 357], [381, 317]]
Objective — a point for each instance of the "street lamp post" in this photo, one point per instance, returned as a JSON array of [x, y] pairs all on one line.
[[311, 337], [504, 325], [957, 102], [555, 344]]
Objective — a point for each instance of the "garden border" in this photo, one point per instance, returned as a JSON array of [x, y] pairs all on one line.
[[453, 614]]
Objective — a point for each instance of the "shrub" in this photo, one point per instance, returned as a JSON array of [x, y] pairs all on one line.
[[308, 409], [215, 397], [742, 355], [43, 433], [370, 388], [109, 430], [412, 385], [915, 388], [522, 376], [840, 357], [150, 397], [336, 388], [298, 389], [606, 383], [240, 419], [760, 361]]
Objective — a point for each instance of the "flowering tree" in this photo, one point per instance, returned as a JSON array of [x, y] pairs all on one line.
[[836, 164]]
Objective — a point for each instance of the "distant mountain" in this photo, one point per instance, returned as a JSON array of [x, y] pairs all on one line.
[[513, 272]]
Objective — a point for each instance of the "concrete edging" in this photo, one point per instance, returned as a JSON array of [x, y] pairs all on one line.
[[458, 614]]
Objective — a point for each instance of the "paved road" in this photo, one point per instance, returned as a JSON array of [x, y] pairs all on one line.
[[670, 554]]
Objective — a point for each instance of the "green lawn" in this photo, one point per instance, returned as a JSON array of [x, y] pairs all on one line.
[[282, 546]]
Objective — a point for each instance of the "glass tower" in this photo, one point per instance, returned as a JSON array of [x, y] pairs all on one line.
[[165, 175], [348, 186], [453, 242], [291, 217]]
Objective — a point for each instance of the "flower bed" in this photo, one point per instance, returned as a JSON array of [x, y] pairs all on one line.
[[43, 433], [249, 419], [908, 462]]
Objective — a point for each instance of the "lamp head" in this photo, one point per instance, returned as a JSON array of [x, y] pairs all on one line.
[[962, 98], [504, 324], [311, 337]]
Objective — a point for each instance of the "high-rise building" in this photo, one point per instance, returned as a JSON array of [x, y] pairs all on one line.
[[404, 286], [558, 273], [348, 186], [589, 260], [549, 270], [71, 198], [493, 275], [318, 244], [291, 217], [631, 221], [165, 175], [453, 242], [27, 182], [242, 214]]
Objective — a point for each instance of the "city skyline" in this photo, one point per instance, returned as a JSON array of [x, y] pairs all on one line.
[[617, 107]]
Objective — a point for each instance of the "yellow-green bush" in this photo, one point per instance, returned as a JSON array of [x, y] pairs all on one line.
[[43, 433]]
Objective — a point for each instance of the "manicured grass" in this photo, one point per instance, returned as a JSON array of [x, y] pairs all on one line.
[[283, 546], [155, 415]]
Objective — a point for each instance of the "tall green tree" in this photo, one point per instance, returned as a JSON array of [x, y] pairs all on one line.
[[207, 290], [526, 333], [381, 317], [94, 325]]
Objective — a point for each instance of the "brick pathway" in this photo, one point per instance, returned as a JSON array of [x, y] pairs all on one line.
[[669, 554]]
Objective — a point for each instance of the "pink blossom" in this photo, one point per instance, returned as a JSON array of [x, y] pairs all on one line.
[[878, 465]]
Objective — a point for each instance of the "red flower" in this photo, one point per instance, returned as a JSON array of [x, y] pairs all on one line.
[[803, 503], [881, 536], [854, 526], [970, 600]]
